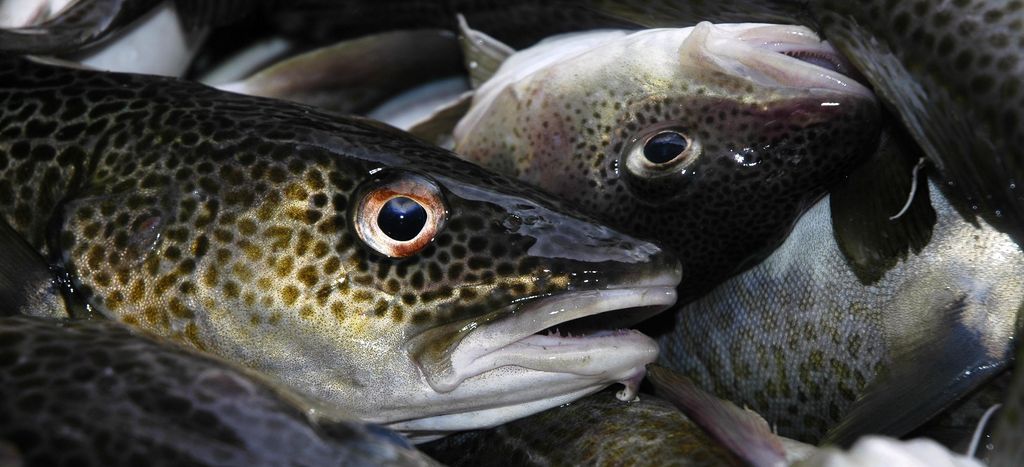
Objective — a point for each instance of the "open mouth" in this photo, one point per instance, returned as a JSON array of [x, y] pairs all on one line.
[[535, 354], [800, 59], [577, 333]]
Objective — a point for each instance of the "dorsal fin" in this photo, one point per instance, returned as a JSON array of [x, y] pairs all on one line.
[[483, 54]]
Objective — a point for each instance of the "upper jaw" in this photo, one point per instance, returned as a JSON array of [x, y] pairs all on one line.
[[800, 59]]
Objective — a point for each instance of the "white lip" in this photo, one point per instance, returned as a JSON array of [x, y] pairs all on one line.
[[739, 50], [511, 340]]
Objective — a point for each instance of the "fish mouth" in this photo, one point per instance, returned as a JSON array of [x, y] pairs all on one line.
[[800, 59], [558, 333], [537, 353]]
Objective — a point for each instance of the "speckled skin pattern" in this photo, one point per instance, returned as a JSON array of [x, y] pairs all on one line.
[[768, 152], [956, 78], [596, 430], [799, 337], [93, 393], [225, 222]]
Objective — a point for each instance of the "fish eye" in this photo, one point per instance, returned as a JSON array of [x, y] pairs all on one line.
[[399, 215], [664, 147], [661, 153]]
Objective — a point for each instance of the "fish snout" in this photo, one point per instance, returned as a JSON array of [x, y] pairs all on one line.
[[774, 56]]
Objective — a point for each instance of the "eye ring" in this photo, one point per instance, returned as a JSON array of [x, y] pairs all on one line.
[[661, 152], [399, 214]]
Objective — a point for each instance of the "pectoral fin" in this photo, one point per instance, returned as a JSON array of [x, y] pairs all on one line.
[[741, 431], [934, 364], [27, 284], [941, 123], [882, 211]]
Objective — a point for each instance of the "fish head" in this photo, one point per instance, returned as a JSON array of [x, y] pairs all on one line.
[[373, 274], [711, 139]]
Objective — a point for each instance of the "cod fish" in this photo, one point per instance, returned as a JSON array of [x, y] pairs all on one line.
[[873, 316], [712, 139], [378, 276], [951, 70], [747, 435], [94, 393], [595, 430]]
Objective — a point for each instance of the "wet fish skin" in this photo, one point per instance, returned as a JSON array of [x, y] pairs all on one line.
[[760, 150], [950, 70], [96, 393], [226, 223], [596, 430], [830, 320]]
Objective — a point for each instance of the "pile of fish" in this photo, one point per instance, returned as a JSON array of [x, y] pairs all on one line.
[[488, 233]]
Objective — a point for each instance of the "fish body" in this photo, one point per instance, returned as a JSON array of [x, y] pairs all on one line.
[[96, 393], [744, 433], [596, 430], [834, 327], [949, 69], [279, 238], [712, 139]]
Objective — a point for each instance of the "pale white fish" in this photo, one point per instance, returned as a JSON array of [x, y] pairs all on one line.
[[872, 451], [156, 45], [246, 62], [415, 105]]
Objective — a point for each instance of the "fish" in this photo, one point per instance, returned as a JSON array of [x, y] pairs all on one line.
[[711, 139], [379, 276], [45, 27], [885, 304], [358, 75], [950, 70], [157, 41], [595, 430], [95, 392], [747, 435]]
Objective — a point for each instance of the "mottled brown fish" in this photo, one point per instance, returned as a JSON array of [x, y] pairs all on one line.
[[377, 275], [951, 70], [712, 139], [596, 430], [873, 316]]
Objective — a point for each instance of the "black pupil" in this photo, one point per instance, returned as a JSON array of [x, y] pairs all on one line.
[[401, 218], [664, 147]]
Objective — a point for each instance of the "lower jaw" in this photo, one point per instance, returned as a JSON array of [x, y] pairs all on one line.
[[424, 430], [520, 394]]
